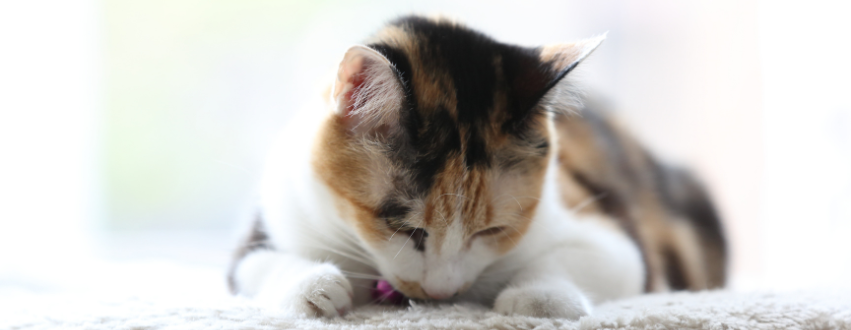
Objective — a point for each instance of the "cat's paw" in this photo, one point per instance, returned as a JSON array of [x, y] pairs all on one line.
[[319, 291], [324, 292], [543, 300]]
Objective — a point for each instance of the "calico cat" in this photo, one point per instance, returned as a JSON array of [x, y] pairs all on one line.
[[455, 167]]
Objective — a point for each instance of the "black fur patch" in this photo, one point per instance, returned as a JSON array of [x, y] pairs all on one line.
[[438, 140], [468, 58], [418, 236], [393, 213], [480, 69], [674, 270]]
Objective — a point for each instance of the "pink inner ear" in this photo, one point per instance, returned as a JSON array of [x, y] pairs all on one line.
[[350, 79], [367, 91]]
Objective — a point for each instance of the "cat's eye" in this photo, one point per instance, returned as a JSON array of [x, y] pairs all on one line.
[[418, 237], [415, 232], [490, 232]]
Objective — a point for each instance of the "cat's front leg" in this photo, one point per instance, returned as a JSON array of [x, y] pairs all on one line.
[[544, 297], [592, 265], [294, 284]]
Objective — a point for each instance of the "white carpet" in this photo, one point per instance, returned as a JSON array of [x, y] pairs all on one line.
[[169, 295], [712, 310]]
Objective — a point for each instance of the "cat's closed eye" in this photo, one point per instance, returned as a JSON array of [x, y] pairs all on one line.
[[490, 231], [418, 236]]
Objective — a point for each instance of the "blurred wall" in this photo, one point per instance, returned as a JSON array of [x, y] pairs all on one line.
[[135, 116], [49, 115], [806, 200]]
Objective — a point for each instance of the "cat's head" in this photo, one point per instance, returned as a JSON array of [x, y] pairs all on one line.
[[437, 151]]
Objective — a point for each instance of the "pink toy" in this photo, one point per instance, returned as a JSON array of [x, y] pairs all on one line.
[[383, 293]]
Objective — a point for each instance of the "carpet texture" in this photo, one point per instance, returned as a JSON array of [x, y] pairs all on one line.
[[706, 310], [161, 294]]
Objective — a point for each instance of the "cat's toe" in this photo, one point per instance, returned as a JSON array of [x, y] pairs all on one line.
[[317, 291], [326, 293], [542, 301]]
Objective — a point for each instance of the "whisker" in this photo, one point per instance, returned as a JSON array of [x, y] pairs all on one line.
[[518, 202], [347, 234], [354, 252], [359, 273], [351, 251], [515, 229], [378, 300], [359, 259], [403, 245], [587, 202], [394, 233], [446, 222], [362, 286], [515, 197], [361, 276], [451, 194], [353, 245]]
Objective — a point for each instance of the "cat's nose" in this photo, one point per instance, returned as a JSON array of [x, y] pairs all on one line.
[[442, 282]]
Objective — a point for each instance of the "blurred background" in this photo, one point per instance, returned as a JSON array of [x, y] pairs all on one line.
[[134, 131]]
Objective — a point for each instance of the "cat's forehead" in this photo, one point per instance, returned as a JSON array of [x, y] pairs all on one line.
[[458, 95], [447, 67]]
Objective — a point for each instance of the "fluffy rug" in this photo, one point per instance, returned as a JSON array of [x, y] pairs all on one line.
[[164, 295], [707, 310]]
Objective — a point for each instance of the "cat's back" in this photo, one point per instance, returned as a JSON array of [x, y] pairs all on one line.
[[667, 213]]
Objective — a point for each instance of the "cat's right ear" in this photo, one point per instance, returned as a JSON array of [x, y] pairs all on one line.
[[368, 94]]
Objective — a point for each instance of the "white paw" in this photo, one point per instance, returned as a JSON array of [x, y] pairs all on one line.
[[319, 291], [542, 300]]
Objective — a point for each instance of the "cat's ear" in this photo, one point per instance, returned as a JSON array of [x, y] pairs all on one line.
[[535, 77], [560, 59], [368, 94]]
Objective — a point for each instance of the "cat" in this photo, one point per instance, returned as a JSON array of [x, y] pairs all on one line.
[[458, 168]]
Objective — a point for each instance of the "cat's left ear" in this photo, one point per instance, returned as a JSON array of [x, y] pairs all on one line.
[[368, 94], [553, 63], [560, 59]]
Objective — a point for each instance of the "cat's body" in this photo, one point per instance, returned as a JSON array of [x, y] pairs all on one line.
[[459, 168]]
